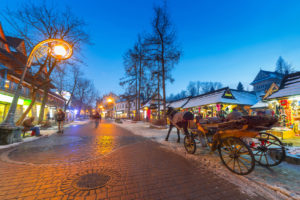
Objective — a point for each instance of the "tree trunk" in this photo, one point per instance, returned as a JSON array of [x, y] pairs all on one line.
[[136, 97], [139, 90], [33, 98], [158, 90], [163, 80], [128, 113], [44, 101]]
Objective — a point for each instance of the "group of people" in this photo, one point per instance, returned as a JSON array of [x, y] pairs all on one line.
[[59, 117]]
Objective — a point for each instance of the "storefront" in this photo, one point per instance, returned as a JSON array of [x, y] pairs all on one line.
[[285, 103], [219, 103], [6, 100]]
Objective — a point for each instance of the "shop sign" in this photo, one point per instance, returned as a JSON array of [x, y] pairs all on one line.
[[227, 94], [27, 102]]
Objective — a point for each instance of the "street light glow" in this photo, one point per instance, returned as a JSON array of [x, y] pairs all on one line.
[[59, 50], [109, 100]]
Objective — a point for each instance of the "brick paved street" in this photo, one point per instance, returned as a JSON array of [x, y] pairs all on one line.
[[129, 167]]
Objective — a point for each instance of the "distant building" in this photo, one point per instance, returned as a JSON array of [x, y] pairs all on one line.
[[125, 109], [264, 80]]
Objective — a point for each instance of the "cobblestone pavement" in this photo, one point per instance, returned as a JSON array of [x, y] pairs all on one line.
[[105, 163]]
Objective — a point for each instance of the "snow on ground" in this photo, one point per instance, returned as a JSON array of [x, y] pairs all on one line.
[[44, 133], [280, 182]]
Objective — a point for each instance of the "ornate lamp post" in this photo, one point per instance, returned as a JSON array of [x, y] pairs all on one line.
[[56, 48]]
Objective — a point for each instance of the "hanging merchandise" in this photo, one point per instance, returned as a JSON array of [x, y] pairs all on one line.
[[218, 106], [284, 103]]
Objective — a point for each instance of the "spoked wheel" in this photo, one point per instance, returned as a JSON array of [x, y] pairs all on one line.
[[268, 150], [189, 144], [236, 156]]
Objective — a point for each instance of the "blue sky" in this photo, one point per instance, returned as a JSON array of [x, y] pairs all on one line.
[[226, 41]]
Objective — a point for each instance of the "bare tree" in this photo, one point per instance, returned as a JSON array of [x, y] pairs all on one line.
[[283, 67], [66, 80], [163, 42], [135, 62], [59, 79], [192, 89], [85, 94], [35, 23]]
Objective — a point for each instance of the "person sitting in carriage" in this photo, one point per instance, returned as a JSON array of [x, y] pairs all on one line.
[[180, 120]]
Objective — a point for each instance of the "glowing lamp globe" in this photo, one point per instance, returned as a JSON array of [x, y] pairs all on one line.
[[59, 50]]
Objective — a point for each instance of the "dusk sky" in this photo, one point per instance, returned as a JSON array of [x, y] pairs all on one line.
[[226, 41]]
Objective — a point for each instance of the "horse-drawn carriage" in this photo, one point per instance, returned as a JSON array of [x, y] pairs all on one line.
[[240, 143]]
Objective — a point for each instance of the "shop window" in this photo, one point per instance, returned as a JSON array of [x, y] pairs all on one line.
[[2, 112]]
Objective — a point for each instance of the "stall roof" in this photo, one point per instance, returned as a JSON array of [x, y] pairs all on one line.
[[260, 104], [219, 96], [245, 97], [179, 103], [290, 86]]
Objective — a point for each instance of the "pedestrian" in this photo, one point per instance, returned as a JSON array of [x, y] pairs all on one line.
[[97, 119], [178, 119], [48, 116], [28, 125], [60, 118]]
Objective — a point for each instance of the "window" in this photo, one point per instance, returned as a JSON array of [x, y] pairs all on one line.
[[7, 83]]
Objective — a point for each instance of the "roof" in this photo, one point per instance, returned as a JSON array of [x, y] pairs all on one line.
[[218, 96], [290, 86], [266, 75], [179, 103], [57, 95], [245, 97], [260, 104], [13, 41]]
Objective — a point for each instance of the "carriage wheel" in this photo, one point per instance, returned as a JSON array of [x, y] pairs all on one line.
[[236, 156], [268, 150], [189, 144]]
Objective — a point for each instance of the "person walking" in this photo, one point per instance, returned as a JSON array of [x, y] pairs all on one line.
[[60, 118], [97, 119]]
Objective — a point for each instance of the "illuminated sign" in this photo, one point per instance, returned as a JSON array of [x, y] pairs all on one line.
[[9, 99], [227, 94]]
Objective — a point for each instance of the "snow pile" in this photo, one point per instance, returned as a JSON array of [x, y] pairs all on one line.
[[294, 151], [260, 181]]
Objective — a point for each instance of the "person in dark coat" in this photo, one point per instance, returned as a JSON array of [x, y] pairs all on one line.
[[97, 118], [180, 119], [60, 118]]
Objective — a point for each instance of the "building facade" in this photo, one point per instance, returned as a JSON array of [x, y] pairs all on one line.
[[264, 80], [13, 57], [125, 109]]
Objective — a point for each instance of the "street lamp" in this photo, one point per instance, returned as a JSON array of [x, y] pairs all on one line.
[[109, 100], [56, 48]]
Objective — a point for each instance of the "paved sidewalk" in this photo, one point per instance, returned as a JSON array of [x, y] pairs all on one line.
[[44, 132], [125, 165]]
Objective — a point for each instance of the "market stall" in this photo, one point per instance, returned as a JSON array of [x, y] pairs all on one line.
[[286, 106], [219, 103]]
